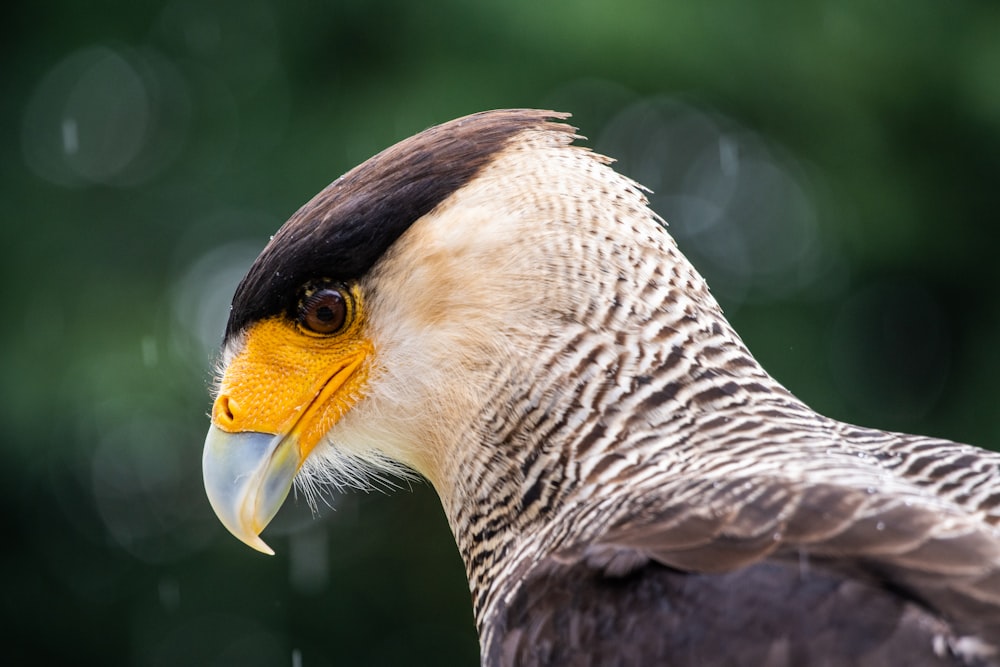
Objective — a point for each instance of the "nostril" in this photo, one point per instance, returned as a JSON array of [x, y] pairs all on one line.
[[225, 408]]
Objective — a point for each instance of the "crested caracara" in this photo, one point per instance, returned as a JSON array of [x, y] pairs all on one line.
[[500, 311]]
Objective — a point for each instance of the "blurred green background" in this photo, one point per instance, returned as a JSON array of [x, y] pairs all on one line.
[[832, 167]]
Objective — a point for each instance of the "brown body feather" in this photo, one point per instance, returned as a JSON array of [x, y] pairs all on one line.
[[775, 613]]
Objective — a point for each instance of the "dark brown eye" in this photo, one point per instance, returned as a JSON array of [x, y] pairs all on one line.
[[324, 311]]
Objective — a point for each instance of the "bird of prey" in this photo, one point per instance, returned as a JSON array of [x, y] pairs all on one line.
[[495, 308]]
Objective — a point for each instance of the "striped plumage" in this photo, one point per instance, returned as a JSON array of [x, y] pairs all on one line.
[[625, 483]]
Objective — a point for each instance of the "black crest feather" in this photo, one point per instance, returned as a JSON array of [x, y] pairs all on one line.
[[350, 224]]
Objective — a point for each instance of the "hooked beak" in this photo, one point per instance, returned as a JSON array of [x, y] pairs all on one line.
[[247, 477]]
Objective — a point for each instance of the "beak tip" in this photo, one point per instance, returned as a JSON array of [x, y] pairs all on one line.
[[260, 546]]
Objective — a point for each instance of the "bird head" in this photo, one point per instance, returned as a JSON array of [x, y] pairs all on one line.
[[429, 309]]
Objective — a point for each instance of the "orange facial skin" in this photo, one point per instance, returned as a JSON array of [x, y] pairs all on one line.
[[288, 380]]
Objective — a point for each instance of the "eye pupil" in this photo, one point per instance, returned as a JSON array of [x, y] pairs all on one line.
[[324, 311]]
